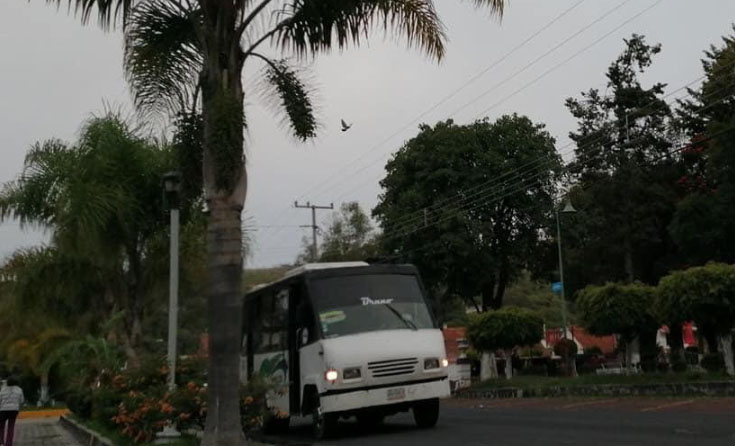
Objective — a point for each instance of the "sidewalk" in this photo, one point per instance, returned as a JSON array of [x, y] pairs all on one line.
[[42, 432]]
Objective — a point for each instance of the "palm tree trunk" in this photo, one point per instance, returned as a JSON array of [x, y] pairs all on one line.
[[225, 185]]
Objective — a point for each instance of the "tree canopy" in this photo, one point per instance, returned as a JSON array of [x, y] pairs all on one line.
[[469, 240], [700, 226], [505, 329], [624, 176], [350, 236], [614, 308]]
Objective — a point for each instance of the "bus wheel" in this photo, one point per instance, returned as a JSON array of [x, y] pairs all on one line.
[[426, 413], [324, 424]]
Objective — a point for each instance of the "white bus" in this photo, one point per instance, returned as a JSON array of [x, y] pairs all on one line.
[[346, 339]]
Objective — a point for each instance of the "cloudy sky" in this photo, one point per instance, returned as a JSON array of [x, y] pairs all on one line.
[[55, 73]]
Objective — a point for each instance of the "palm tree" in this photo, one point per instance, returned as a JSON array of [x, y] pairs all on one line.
[[180, 52], [102, 199]]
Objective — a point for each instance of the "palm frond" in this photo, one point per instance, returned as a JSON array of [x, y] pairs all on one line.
[[317, 25], [162, 58], [291, 93], [497, 7], [31, 198], [109, 12]]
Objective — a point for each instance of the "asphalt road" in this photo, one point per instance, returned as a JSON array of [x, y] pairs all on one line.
[[618, 422]]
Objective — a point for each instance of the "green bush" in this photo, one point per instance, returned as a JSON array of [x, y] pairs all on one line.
[[678, 366], [79, 401], [104, 405], [713, 362]]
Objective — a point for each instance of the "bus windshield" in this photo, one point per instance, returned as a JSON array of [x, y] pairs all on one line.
[[355, 304]]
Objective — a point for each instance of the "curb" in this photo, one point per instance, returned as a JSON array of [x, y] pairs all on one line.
[[82, 434], [712, 388], [47, 413]]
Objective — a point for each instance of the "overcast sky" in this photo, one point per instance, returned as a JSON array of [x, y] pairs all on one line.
[[55, 73]]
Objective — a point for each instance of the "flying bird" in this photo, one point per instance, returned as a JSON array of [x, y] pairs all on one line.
[[345, 126]]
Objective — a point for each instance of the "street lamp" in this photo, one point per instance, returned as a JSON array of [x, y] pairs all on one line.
[[172, 187], [568, 209]]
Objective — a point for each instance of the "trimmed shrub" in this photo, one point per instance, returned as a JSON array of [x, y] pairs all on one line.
[[713, 362]]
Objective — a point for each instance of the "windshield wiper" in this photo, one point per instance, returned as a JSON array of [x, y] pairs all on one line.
[[408, 323]]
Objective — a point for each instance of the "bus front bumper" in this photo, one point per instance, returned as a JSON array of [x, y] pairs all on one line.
[[341, 400]]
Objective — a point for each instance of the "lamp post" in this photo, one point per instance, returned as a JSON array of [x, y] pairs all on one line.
[[172, 187], [568, 209]]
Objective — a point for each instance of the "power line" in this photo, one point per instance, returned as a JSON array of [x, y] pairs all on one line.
[[403, 226], [463, 197], [483, 187], [443, 100], [526, 86], [667, 154], [314, 227]]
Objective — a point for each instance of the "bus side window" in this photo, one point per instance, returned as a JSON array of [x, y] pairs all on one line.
[[306, 329], [272, 319]]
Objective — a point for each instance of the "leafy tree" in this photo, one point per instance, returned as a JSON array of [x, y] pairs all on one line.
[[182, 51], [700, 227], [505, 329], [468, 243], [618, 309], [102, 200], [705, 294], [536, 296], [350, 236], [624, 176]]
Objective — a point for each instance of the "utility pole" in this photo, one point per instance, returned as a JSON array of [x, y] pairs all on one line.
[[314, 227]]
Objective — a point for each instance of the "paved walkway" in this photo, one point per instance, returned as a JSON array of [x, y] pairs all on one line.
[[42, 432]]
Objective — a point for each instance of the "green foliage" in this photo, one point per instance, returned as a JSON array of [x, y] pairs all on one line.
[[613, 308], [189, 152], [536, 296], [713, 362], [426, 220], [624, 178], [162, 57], [701, 227], [106, 267], [349, 237], [705, 294], [317, 25], [225, 140], [137, 403], [504, 329], [294, 98]]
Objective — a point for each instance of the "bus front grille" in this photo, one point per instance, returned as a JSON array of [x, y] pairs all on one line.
[[393, 367]]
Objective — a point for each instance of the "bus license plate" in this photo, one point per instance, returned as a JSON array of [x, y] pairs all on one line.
[[396, 394]]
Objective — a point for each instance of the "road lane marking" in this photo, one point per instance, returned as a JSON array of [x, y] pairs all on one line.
[[667, 406], [588, 403], [507, 403]]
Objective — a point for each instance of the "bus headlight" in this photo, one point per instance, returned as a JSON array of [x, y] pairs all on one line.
[[445, 362], [431, 363], [351, 373], [331, 375]]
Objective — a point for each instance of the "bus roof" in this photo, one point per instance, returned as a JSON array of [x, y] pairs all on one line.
[[335, 269], [319, 266]]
